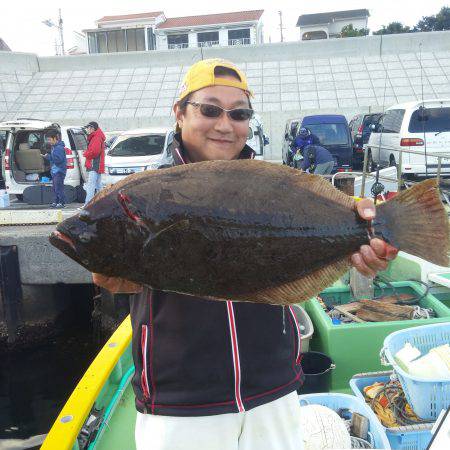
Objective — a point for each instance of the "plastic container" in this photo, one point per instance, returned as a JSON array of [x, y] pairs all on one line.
[[316, 368], [427, 396], [355, 347], [306, 326], [411, 437], [338, 401], [4, 199]]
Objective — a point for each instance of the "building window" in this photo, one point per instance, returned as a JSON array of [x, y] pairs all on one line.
[[101, 43], [175, 41], [208, 39], [128, 40], [135, 39], [239, 37], [92, 42], [313, 35], [151, 40], [116, 41]]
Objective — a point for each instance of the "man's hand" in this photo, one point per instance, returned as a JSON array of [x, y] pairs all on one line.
[[116, 285], [374, 257]]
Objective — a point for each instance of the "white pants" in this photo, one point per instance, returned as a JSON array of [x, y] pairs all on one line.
[[93, 185], [273, 426]]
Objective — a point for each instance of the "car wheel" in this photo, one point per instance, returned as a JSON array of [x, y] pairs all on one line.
[[19, 197], [392, 162]]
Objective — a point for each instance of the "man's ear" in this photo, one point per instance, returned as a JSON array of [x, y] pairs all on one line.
[[179, 116]]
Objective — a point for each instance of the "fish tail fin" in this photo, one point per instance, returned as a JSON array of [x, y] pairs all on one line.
[[416, 222]]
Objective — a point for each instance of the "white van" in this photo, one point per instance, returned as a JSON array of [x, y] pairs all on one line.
[[422, 126], [137, 150], [22, 161]]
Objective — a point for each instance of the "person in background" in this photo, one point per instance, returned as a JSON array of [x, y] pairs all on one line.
[[315, 157], [218, 375], [58, 167], [303, 139], [95, 160]]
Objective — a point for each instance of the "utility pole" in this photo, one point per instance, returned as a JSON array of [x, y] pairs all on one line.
[[61, 34], [50, 24], [281, 25]]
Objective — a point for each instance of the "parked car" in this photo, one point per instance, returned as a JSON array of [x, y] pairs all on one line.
[[111, 136], [290, 133], [331, 131], [256, 139], [420, 126], [360, 129], [137, 150], [2, 149], [22, 161]]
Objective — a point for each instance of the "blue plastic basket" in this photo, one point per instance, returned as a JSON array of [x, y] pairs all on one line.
[[426, 396], [338, 401], [411, 437]]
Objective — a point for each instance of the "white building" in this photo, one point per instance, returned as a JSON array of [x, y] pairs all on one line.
[[125, 33], [234, 28], [329, 25]]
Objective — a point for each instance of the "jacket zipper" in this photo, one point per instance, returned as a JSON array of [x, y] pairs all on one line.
[[298, 334], [144, 376]]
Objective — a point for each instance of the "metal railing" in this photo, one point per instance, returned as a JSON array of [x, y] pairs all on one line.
[[178, 46], [400, 181], [208, 43], [241, 41]]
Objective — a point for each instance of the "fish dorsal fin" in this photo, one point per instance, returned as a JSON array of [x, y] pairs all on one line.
[[323, 188], [302, 289]]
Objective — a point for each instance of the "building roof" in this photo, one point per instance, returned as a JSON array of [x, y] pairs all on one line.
[[327, 17], [211, 19], [3, 46], [148, 15]]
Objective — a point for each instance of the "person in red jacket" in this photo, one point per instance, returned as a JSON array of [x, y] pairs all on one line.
[[95, 160]]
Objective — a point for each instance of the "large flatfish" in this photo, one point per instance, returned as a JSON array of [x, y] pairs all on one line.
[[242, 230]]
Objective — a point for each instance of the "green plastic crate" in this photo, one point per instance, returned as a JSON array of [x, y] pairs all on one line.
[[355, 347]]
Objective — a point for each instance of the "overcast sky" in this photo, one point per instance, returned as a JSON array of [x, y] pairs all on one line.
[[23, 31]]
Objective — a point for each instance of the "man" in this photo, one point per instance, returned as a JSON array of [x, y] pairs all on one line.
[[95, 160], [217, 375], [315, 157], [58, 167]]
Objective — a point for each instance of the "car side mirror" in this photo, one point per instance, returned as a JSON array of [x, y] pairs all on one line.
[[266, 140]]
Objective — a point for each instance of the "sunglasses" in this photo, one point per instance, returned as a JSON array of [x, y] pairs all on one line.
[[213, 111]]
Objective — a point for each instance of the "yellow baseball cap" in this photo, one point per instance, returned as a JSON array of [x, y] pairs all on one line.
[[202, 74]]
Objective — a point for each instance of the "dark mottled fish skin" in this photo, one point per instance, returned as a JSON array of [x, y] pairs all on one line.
[[245, 230]]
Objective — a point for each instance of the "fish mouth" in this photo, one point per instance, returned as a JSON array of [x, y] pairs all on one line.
[[63, 237], [64, 243]]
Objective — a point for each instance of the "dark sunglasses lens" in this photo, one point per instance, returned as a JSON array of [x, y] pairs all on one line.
[[241, 114], [210, 110]]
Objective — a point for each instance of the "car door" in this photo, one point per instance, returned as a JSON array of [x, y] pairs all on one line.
[[79, 143], [390, 139]]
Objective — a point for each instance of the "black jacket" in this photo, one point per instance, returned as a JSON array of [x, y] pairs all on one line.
[[196, 357]]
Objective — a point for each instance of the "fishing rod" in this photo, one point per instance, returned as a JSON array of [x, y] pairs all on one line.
[[422, 112], [377, 187]]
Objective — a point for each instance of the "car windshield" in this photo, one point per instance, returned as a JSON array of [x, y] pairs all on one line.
[[430, 120], [330, 133], [149, 144], [371, 119]]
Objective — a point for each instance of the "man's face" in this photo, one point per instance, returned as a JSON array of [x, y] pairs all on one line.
[[220, 138], [52, 140], [89, 130]]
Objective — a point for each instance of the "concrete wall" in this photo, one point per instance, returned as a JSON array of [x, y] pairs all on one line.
[[129, 90]]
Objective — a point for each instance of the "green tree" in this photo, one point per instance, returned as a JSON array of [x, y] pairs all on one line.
[[439, 22], [393, 28], [349, 31]]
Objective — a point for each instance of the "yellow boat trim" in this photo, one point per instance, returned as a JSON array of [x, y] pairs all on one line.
[[70, 420]]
